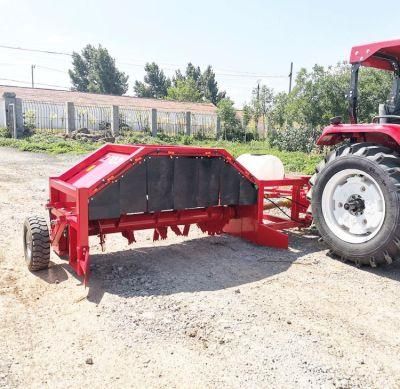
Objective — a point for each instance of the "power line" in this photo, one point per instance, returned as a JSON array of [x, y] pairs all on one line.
[[164, 65], [52, 69], [35, 50], [36, 83], [38, 66]]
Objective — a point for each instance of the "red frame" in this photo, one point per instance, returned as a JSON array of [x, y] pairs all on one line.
[[70, 194]]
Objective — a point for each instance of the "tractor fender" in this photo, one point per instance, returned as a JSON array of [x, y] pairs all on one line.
[[379, 133]]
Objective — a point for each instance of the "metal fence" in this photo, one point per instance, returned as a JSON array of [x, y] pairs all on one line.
[[44, 116], [204, 125], [171, 123], [61, 118], [94, 118], [133, 119]]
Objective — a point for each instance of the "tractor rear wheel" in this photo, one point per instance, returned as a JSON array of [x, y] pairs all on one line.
[[36, 243], [355, 202]]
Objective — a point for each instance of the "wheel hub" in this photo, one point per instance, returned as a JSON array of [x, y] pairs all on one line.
[[353, 206]]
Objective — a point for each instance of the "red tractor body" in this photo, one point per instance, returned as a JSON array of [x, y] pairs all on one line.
[[380, 55], [355, 197]]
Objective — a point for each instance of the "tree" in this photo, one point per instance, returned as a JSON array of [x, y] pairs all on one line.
[[94, 71], [247, 115], [209, 86], [184, 90], [155, 83], [230, 123], [278, 112], [205, 82], [320, 94], [261, 104]]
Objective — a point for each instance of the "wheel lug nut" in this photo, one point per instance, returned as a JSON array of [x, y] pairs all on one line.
[[363, 189], [340, 205], [365, 221]]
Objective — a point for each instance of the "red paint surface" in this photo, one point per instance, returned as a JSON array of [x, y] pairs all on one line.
[[70, 193], [364, 54]]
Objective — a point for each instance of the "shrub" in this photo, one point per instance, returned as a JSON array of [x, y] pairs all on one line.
[[29, 122], [294, 139], [5, 132]]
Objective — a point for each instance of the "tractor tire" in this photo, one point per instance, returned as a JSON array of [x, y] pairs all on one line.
[[36, 243], [355, 203]]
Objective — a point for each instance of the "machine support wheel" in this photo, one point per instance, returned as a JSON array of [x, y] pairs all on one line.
[[36, 243], [355, 202]]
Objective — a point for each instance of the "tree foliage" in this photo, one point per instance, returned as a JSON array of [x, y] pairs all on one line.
[[320, 94], [184, 90], [205, 82], [193, 84], [230, 123], [94, 71], [155, 83]]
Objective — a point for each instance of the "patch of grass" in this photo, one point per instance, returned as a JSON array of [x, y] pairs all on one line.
[[294, 161], [52, 144]]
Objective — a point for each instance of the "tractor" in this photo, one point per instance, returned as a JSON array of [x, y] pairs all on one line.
[[355, 191]]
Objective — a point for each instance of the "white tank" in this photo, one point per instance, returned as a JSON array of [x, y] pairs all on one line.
[[262, 166]]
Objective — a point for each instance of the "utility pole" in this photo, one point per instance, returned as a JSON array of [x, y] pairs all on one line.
[[290, 76], [258, 104], [32, 68]]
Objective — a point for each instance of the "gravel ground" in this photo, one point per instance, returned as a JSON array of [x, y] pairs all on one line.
[[193, 311]]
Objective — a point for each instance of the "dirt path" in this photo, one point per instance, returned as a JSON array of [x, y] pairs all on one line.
[[188, 312]]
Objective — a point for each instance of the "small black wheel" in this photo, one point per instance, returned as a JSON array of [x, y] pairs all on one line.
[[36, 243]]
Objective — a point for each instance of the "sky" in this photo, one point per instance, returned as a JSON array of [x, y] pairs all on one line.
[[246, 42]]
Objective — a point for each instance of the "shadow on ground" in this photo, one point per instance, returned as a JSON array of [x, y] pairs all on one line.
[[391, 271], [56, 273], [205, 264]]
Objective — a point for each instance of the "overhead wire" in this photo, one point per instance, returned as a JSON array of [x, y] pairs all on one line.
[[36, 83], [168, 66]]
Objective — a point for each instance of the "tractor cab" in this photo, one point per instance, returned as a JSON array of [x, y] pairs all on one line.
[[381, 55]]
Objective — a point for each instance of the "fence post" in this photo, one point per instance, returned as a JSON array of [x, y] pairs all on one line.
[[11, 114], [70, 117], [3, 112], [115, 120], [19, 118], [153, 122], [188, 123], [218, 127]]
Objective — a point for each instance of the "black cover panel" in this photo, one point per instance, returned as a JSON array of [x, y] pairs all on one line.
[[230, 185], [247, 193], [133, 189], [209, 170], [160, 180], [164, 183], [185, 182], [105, 205]]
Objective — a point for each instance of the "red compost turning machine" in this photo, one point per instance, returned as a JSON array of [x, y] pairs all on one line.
[[125, 188]]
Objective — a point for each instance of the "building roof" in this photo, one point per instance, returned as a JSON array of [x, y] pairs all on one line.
[[83, 98]]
